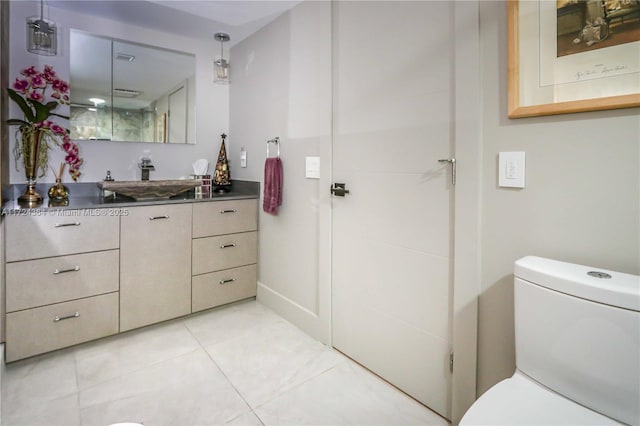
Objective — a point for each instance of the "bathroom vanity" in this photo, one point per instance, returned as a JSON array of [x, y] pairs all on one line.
[[90, 270]]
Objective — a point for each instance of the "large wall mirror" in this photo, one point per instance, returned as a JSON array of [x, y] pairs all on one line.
[[129, 92]]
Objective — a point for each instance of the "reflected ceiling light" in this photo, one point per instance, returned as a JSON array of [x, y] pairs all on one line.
[[221, 66], [126, 93], [96, 101], [42, 35]]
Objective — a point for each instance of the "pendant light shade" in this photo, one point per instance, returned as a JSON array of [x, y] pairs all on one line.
[[42, 35], [221, 66]]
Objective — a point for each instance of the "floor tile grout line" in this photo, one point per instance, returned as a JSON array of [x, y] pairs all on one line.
[[153, 364], [31, 364], [297, 385], [283, 391], [141, 368], [278, 318], [230, 383], [115, 338], [225, 376], [75, 365], [277, 394]]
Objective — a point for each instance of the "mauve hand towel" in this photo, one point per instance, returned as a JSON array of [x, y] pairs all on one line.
[[272, 185]]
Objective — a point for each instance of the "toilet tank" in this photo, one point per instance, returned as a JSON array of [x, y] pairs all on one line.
[[578, 333]]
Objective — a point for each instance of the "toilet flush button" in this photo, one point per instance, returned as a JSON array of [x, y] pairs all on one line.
[[598, 274]]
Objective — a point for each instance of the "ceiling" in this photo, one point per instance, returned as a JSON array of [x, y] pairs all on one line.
[[93, 73], [238, 18]]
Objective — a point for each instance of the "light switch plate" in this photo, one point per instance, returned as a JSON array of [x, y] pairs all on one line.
[[243, 157], [312, 167], [511, 169]]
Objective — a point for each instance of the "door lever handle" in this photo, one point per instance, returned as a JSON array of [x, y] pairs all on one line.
[[451, 161], [339, 189]]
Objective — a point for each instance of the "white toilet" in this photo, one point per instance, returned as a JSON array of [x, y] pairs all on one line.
[[577, 349]]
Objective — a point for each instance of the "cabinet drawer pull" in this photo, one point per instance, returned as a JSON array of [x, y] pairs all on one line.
[[227, 211], [227, 246], [228, 280], [158, 217], [74, 315], [62, 271], [60, 225]]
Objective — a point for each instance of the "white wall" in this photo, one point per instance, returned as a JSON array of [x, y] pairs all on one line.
[[281, 86], [171, 161], [581, 203]]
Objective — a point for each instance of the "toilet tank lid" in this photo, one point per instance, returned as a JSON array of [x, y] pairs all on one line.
[[620, 289]]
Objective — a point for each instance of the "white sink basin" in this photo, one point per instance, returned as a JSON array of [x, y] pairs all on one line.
[[142, 190]]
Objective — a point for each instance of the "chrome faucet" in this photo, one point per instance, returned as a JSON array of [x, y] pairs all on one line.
[[146, 167]]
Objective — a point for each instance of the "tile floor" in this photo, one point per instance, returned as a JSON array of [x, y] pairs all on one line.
[[237, 365]]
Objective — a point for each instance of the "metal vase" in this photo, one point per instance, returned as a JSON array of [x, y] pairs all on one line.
[[30, 159], [58, 192]]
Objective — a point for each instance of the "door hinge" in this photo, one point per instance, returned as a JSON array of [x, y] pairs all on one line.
[[451, 362]]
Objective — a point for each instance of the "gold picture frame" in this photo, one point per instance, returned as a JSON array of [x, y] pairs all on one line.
[[556, 97]]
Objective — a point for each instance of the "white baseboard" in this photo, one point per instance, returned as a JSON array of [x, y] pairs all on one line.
[[301, 317]]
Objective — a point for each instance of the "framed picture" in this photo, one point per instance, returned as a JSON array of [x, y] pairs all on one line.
[[567, 56]]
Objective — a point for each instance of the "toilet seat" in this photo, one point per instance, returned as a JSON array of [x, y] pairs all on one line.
[[520, 400]]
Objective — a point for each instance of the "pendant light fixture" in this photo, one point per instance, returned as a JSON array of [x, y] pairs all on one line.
[[42, 35], [221, 66]]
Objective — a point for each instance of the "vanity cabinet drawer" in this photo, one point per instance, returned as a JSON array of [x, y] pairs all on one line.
[[51, 327], [224, 252], [59, 233], [224, 217], [218, 288], [41, 282]]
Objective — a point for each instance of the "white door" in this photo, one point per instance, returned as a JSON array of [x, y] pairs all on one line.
[[392, 233]]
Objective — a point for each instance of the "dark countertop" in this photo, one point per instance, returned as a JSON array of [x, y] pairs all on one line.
[[89, 196]]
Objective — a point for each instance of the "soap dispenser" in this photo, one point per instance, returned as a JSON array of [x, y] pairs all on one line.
[[106, 193]]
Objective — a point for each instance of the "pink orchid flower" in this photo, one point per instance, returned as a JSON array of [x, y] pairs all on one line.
[[29, 71], [60, 86], [57, 129], [38, 82], [35, 96], [21, 85], [49, 74]]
